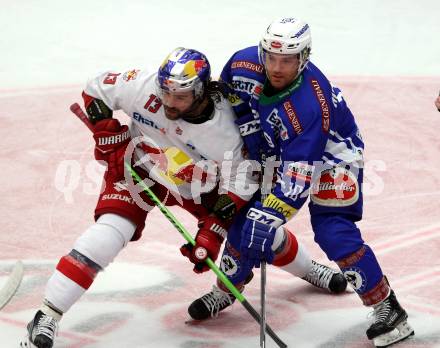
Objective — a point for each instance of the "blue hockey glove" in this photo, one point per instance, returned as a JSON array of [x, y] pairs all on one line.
[[258, 234], [252, 135]]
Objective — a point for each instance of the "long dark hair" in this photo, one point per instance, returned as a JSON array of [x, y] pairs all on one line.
[[216, 90]]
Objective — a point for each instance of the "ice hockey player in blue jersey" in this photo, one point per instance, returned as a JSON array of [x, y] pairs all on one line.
[[288, 109]]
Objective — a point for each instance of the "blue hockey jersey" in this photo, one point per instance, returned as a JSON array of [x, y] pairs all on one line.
[[308, 126]]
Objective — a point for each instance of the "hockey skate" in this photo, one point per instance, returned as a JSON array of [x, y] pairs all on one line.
[[390, 323], [324, 277], [210, 304], [41, 331]]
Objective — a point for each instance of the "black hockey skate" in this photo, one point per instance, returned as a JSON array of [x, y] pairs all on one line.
[[211, 304], [41, 331], [324, 277], [390, 323]]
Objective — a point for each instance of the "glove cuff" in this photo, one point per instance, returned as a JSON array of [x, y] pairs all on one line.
[[108, 140], [212, 224]]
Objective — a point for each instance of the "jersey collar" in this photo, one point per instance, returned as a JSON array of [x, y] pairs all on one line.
[[265, 100]]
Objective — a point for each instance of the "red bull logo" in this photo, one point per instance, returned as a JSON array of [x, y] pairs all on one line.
[[199, 65], [130, 75]]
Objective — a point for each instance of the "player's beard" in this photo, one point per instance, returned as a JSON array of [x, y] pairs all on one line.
[[174, 114]]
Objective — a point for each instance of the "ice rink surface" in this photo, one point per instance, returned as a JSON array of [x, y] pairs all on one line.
[[385, 55]]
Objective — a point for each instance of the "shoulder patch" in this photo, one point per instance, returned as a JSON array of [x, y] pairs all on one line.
[[130, 75], [290, 111], [243, 64], [325, 110], [110, 78]]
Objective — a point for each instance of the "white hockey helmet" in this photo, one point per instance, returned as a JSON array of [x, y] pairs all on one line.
[[287, 36]]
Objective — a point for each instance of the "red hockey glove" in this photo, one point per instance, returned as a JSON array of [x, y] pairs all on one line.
[[111, 141], [209, 239]]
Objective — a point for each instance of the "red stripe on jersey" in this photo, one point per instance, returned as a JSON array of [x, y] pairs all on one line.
[[379, 293], [80, 273]]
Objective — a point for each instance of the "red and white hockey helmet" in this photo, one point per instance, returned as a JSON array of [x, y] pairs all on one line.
[[287, 36]]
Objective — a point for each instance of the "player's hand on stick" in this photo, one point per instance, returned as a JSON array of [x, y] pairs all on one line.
[[111, 140], [208, 240], [258, 234]]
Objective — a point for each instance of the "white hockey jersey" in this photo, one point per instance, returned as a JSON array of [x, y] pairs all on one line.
[[187, 158]]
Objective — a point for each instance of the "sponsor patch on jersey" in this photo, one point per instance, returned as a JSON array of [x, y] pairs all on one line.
[[111, 78], [130, 75], [277, 204], [243, 64], [249, 86], [234, 99], [325, 110], [337, 187], [291, 114], [278, 126], [300, 171], [146, 121], [257, 91]]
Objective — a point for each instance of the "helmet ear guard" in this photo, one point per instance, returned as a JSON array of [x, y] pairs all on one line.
[[184, 70], [287, 36]]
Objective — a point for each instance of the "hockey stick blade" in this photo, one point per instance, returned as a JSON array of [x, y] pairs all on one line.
[[12, 284]]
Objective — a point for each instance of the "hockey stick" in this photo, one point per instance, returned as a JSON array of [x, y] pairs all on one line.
[[76, 109], [263, 269], [12, 284]]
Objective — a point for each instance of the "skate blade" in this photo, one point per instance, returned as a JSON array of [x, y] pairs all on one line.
[[402, 331], [26, 343]]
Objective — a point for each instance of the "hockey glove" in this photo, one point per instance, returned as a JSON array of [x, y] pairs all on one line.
[[252, 135], [209, 239], [111, 141], [258, 234]]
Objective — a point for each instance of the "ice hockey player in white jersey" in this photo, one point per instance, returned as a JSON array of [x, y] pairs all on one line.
[[188, 147], [185, 143]]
